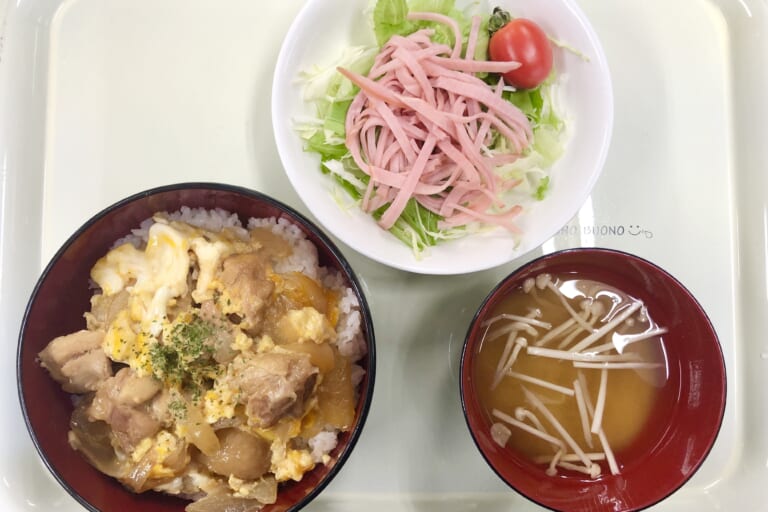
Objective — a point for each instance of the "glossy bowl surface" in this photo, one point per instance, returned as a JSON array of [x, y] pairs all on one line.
[[586, 97], [687, 413], [62, 295]]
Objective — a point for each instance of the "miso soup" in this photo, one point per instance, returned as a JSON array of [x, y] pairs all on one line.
[[546, 348]]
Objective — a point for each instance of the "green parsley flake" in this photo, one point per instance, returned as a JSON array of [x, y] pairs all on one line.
[[185, 358], [178, 408]]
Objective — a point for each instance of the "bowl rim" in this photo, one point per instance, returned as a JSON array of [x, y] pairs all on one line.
[[622, 254], [364, 400]]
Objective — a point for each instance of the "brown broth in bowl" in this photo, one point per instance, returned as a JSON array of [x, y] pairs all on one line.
[[529, 349]]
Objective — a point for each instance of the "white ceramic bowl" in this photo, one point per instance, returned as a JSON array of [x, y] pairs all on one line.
[[318, 35]]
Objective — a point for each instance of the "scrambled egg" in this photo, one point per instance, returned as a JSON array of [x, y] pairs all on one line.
[[157, 274], [219, 402], [289, 464], [265, 344], [158, 449], [246, 488], [208, 256], [120, 338], [242, 341], [306, 324], [165, 444]]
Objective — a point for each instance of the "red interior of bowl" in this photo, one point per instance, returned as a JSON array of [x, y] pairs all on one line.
[[62, 296], [687, 415]]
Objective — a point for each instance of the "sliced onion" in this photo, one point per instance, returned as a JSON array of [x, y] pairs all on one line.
[[198, 432], [138, 477], [265, 491], [93, 440], [224, 503]]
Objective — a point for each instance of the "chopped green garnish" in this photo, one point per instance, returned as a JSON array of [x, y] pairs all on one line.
[[185, 357], [178, 409]]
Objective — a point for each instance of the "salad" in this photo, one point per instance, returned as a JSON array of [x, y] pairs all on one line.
[[446, 127]]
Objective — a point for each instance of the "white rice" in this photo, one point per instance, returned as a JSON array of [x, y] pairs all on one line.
[[322, 444], [212, 220], [349, 333]]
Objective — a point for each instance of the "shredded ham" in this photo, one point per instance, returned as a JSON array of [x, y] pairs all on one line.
[[422, 123]]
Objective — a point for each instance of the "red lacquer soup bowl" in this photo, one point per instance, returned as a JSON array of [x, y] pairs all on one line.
[[62, 295], [685, 416]]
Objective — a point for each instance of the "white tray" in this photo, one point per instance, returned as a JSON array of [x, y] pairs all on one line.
[[103, 98]]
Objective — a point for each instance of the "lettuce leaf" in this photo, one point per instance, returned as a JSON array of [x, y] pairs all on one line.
[[390, 18]]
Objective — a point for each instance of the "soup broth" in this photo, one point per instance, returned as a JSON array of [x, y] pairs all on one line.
[[551, 365]]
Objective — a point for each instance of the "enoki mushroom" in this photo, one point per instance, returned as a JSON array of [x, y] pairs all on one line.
[[593, 339]]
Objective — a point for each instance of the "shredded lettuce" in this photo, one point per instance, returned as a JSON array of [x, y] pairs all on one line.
[[541, 190], [331, 94], [547, 146]]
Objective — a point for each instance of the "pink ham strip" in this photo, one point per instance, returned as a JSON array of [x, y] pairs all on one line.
[[368, 195], [474, 66], [418, 50], [413, 66], [405, 193], [395, 125], [398, 180], [485, 95], [421, 123], [486, 124], [445, 20], [472, 39]]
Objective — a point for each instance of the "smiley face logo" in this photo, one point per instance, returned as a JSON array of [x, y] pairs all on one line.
[[636, 230]]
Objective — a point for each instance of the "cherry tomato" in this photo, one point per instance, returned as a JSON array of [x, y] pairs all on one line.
[[522, 40]]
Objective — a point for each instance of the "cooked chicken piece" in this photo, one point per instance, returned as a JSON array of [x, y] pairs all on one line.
[[123, 402], [134, 390], [127, 388], [104, 309], [222, 336], [160, 408], [131, 425], [274, 385], [244, 277], [241, 454], [209, 312], [222, 340], [77, 361]]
